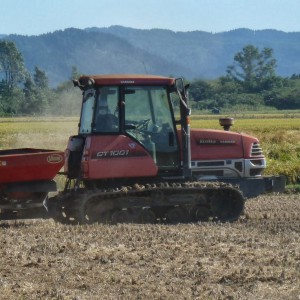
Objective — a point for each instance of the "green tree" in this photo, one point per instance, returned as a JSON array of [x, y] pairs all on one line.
[[37, 93], [254, 70], [40, 78], [11, 103], [200, 90], [12, 68]]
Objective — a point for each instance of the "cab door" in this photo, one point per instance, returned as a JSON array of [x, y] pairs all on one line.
[[149, 120]]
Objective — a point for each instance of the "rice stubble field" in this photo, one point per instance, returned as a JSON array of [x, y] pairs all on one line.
[[257, 257]]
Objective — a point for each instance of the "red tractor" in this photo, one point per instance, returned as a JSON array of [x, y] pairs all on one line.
[[135, 159]]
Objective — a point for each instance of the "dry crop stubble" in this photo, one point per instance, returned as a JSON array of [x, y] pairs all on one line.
[[47, 133], [257, 257]]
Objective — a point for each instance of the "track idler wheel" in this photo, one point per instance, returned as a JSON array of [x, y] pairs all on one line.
[[227, 205], [76, 211]]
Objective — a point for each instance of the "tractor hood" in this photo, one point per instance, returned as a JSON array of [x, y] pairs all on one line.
[[207, 144]]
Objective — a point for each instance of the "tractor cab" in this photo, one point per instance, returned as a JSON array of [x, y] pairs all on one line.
[[127, 123]]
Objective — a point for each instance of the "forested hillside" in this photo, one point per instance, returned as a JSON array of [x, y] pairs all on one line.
[[119, 49], [207, 54], [90, 52]]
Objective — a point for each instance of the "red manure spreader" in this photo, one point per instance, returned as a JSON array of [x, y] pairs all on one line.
[[135, 159], [26, 178]]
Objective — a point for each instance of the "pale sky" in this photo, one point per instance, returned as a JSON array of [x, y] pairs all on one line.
[[34, 17]]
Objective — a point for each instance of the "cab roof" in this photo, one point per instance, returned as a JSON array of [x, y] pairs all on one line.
[[124, 79]]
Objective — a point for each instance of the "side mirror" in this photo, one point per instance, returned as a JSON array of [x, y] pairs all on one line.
[[181, 88], [179, 85]]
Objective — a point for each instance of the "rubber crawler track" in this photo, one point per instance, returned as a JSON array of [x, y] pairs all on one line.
[[171, 202]]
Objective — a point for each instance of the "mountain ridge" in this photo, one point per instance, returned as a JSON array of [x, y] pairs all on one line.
[[118, 49]]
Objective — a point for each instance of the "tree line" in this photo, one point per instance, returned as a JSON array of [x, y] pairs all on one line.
[[250, 83], [23, 93]]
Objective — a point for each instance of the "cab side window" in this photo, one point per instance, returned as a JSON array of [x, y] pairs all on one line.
[[106, 111]]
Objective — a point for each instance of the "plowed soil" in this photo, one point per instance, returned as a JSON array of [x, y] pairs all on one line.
[[257, 257]]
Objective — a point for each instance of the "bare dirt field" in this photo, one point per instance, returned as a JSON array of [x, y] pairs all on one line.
[[257, 257]]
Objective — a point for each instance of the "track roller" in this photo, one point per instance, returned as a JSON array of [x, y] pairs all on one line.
[[200, 213], [121, 216], [177, 215], [147, 216]]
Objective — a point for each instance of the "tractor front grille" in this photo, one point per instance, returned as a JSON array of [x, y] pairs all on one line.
[[256, 150]]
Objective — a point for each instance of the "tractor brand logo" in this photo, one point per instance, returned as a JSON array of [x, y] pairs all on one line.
[[127, 81], [215, 142], [132, 145], [54, 158]]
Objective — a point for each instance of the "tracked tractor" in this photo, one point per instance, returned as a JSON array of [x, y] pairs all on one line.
[[132, 158], [135, 159]]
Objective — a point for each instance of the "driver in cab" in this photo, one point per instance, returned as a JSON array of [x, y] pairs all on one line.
[[105, 121]]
